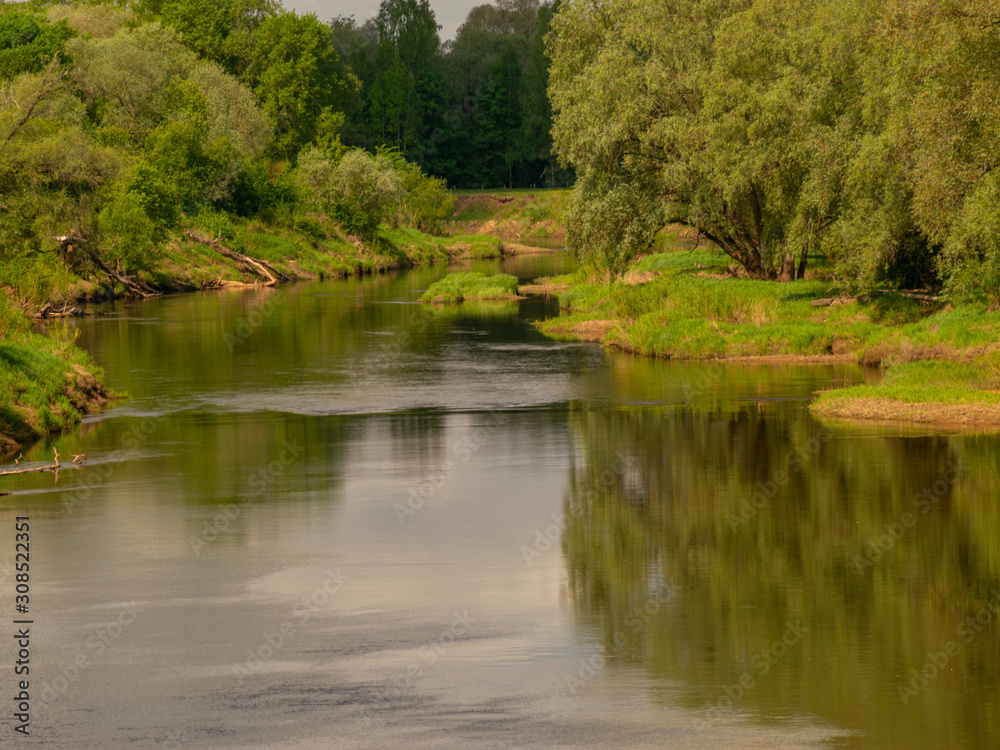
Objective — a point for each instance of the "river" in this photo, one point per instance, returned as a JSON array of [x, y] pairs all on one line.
[[331, 517]]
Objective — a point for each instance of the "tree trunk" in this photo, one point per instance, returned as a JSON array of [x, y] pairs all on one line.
[[787, 268], [803, 258], [254, 266]]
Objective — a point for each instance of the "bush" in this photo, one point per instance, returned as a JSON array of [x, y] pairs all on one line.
[[128, 235], [362, 191], [255, 192], [366, 192], [427, 204], [612, 220]]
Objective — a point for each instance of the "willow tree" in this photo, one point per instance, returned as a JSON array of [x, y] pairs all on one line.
[[725, 115], [932, 142]]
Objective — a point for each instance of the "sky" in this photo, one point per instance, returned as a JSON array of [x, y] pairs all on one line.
[[450, 13]]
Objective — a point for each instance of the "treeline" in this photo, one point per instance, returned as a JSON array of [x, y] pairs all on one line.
[[123, 124], [868, 131], [474, 110]]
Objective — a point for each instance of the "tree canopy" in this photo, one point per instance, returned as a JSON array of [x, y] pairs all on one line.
[[776, 128]]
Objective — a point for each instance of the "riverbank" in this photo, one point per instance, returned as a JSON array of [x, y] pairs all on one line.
[[942, 362], [512, 215], [214, 250], [47, 382], [201, 257]]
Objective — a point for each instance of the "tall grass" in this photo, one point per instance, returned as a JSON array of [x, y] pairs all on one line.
[[456, 287]]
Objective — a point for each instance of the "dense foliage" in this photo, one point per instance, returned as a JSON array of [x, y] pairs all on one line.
[[474, 110], [866, 130], [121, 124]]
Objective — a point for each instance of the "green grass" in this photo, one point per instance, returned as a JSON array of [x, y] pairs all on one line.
[[680, 304], [480, 246], [686, 311], [932, 381], [510, 214], [47, 382], [471, 285]]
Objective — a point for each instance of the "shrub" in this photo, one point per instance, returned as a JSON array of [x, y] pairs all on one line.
[[127, 234], [427, 204], [366, 192]]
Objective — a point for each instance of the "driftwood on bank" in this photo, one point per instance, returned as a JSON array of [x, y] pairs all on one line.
[[918, 294], [921, 295], [254, 266], [66, 311], [827, 301]]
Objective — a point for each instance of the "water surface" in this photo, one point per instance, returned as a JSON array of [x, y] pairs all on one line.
[[331, 517]]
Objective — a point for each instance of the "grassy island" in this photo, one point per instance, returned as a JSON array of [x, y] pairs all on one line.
[[471, 285]]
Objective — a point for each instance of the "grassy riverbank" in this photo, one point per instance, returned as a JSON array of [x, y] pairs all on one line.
[[47, 382], [312, 248], [942, 361], [482, 225], [512, 215]]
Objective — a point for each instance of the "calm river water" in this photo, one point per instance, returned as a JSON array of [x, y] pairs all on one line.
[[330, 517]]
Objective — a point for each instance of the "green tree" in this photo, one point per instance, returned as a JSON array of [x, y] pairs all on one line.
[[28, 42], [535, 139], [924, 184], [735, 114], [124, 79], [410, 29], [297, 75], [219, 30], [361, 191], [128, 236]]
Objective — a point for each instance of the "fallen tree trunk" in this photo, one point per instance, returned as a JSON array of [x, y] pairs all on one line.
[[53, 467], [920, 296], [135, 287], [254, 266], [48, 311]]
